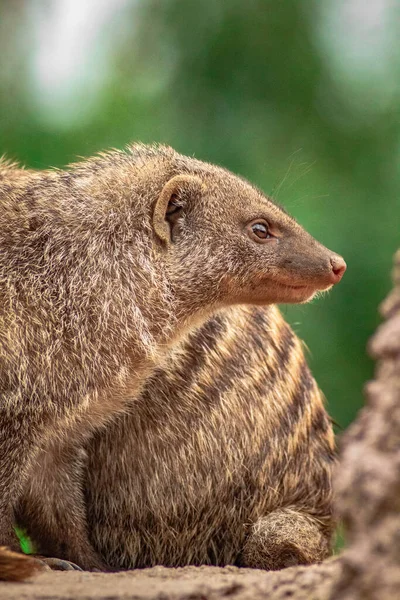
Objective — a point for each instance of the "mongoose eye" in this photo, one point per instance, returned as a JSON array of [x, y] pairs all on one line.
[[258, 231]]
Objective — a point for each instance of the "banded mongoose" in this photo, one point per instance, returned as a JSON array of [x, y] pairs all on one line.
[[225, 458], [105, 267]]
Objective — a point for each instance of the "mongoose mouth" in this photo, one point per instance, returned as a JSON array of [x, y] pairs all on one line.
[[298, 287], [314, 287], [299, 294], [292, 293], [295, 287], [308, 287]]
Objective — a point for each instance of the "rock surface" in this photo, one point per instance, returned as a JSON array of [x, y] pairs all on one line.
[[188, 583]]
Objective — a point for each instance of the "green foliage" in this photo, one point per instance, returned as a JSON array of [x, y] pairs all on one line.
[[25, 542], [340, 539], [301, 97]]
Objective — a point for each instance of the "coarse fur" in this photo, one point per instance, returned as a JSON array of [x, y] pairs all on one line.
[[17, 567], [225, 458], [103, 268]]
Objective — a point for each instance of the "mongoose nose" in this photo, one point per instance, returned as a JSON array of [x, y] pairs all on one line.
[[338, 268]]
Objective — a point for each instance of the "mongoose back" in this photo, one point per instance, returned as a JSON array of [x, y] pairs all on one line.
[[225, 458], [103, 268]]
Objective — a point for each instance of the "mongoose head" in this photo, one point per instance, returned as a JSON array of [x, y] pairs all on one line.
[[223, 236], [180, 235]]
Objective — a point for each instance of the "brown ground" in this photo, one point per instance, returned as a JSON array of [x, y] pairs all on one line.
[[189, 583]]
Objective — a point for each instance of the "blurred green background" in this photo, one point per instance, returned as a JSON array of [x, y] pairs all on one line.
[[300, 97]]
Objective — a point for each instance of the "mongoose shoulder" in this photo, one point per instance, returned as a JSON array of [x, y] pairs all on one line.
[[103, 268]]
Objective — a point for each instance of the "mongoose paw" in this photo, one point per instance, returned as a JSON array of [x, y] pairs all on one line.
[[58, 564]]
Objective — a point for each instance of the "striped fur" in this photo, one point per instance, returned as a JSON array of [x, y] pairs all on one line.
[[232, 429]]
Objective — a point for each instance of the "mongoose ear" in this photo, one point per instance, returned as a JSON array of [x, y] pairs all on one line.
[[171, 204]]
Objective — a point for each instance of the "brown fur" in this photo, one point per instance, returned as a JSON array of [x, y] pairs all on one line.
[[95, 287], [225, 458], [17, 567]]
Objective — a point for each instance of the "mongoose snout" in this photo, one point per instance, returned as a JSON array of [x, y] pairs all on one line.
[[338, 268], [305, 266], [330, 273]]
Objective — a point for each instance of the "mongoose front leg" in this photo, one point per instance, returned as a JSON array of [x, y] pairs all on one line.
[[52, 476], [7, 534], [283, 539], [17, 449], [52, 509]]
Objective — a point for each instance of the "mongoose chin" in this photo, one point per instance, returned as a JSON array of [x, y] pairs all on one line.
[[104, 267]]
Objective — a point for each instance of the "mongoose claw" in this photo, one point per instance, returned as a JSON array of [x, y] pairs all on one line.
[[58, 564]]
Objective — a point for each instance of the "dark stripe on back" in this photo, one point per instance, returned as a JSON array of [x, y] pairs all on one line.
[[179, 375], [320, 422], [305, 385], [230, 371], [282, 347], [197, 348], [170, 387]]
